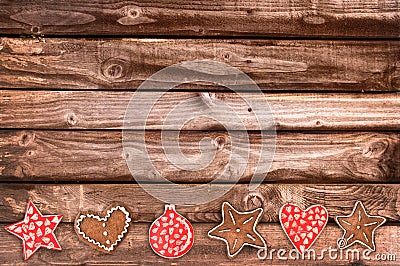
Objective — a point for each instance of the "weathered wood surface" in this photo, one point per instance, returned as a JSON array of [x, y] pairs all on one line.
[[272, 18], [272, 64], [106, 110], [98, 156], [69, 199], [135, 250]]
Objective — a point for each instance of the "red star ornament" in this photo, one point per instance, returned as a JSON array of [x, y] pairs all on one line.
[[36, 230]]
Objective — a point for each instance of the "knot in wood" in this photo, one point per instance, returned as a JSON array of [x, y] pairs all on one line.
[[131, 11], [72, 119], [395, 82], [208, 98], [220, 142], [253, 200], [227, 56], [26, 139], [35, 30], [376, 149], [114, 68], [134, 15]]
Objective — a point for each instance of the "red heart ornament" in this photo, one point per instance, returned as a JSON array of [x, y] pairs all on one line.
[[303, 227]]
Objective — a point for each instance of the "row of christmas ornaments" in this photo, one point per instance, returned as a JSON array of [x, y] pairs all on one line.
[[171, 235]]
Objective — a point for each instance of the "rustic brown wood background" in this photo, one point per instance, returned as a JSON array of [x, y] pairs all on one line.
[[329, 69]]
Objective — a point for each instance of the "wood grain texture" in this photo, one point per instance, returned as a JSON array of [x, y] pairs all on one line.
[[272, 64], [134, 249], [69, 199], [273, 18], [106, 110], [66, 156]]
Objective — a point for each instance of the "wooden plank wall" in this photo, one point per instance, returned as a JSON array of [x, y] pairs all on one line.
[[330, 71]]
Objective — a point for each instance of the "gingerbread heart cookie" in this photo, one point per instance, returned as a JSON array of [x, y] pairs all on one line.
[[303, 227], [104, 231]]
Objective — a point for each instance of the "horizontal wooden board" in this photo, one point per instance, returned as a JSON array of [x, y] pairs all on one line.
[[272, 64], [66, 156], [68, 199], [106, 110], [184, 17], [135, 250]]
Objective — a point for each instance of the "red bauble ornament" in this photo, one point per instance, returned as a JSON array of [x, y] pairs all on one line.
[[171, 235]]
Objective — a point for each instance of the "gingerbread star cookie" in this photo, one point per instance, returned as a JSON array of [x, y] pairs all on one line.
[[238, 229], [36, 231], [104, 231], [359, 227]]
